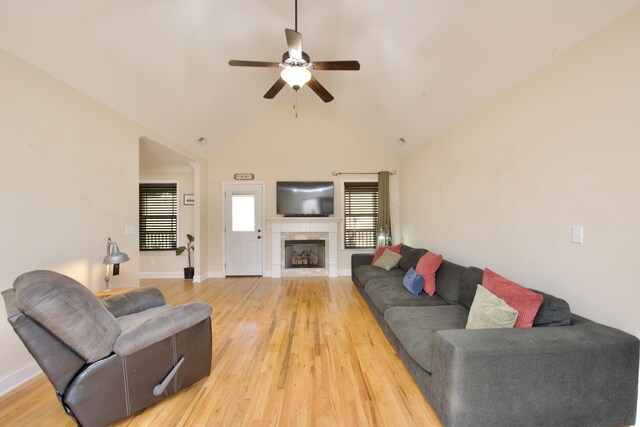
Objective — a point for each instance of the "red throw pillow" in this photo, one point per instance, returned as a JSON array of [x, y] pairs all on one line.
[[427, 267], [378, 254], [522, 299]]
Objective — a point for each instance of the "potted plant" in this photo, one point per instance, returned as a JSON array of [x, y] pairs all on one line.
[[188, 271]]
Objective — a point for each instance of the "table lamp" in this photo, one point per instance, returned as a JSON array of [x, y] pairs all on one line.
[[113, 258], [381, 240]]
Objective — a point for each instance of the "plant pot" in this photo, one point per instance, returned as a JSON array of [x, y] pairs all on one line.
[[188, 273]]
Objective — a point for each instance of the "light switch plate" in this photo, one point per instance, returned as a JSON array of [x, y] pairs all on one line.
[[577, 234], [129, 230]]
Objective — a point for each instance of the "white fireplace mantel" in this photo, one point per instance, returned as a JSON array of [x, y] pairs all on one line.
[[283, 227]]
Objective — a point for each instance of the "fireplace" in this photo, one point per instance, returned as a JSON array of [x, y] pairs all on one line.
[[283, 229], [304, 254]]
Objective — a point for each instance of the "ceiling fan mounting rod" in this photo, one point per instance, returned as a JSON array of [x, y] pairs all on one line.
[[296, 13]]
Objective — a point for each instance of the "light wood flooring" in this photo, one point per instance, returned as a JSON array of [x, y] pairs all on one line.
[[286, 352]]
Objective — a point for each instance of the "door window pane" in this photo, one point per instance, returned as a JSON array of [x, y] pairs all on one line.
[[243, 217]]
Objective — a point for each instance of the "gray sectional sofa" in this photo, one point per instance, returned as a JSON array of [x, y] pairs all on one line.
[[564, 371]]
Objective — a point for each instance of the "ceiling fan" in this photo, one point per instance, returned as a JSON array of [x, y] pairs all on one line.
[[296, 65]]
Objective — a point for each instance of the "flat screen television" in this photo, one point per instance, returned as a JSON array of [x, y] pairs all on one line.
[[304, 198]]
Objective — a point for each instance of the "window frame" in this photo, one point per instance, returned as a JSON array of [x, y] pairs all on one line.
[[345, 229], [161, 250]]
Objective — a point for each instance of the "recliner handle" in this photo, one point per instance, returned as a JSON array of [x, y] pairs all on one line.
[[159, 389]]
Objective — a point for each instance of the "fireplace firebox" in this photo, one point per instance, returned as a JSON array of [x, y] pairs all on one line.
[[304, 254]]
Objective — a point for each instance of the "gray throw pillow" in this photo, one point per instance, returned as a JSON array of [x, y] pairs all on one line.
[[489, 312], [387, 260]]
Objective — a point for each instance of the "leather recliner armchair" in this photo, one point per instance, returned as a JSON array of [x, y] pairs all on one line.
[[108, 359]]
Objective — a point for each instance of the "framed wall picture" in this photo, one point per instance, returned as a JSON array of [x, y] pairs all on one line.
[[189, 199]]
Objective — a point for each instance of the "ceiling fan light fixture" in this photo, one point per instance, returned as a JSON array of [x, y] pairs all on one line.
[[296, 77]]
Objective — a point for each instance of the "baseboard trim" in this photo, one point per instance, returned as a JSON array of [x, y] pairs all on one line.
[[18, 377], [162, 275], [267, 273], [169, 275]]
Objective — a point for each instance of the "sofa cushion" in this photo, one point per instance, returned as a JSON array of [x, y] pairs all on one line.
[[140, 330], [395, 248], [490, 312], [552, 312], [410, 257], [522, 299], [390, 292], [471, 278], [427, 267], [364, 273], [448, 281], [387, 260], [413, 282], [415, 328], [69, 311], [133, 320]]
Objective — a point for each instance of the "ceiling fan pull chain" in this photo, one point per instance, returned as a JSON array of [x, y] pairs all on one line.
[[295, 102]]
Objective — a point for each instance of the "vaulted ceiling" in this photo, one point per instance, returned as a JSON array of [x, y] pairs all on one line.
[[426, 64]]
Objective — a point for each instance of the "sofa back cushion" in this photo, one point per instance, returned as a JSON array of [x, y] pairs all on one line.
[[410, 257], [471, 278], [68, 311], [448, 278], [552, 312]]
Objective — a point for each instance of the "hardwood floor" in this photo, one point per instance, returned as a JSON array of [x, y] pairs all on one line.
[[286, 352]]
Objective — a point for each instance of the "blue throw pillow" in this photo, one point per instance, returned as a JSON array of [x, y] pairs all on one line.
[[414, 282]]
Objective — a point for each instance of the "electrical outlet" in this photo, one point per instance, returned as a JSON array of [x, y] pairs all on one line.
[[577, 234]]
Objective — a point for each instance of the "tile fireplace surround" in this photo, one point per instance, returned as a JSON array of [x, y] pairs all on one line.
[[304, 229]]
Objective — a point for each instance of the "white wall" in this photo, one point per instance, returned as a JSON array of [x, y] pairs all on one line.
[[70, 173], [166, 264], [278, 146], [503, 188]]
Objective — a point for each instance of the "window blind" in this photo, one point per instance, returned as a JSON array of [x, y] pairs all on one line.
[[360, 214], [158, 216]]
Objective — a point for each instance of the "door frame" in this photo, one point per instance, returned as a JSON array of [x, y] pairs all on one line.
[[225, 184]]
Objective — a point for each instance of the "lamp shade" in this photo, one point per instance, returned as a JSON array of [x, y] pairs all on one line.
[[296, 76], [114, 256]]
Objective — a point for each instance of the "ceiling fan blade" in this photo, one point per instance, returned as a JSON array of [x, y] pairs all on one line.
[[319, 90], [239, 63], [294, 43], [273, 91], [336, 65]]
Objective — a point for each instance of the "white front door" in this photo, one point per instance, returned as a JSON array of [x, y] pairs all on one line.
[[243, 230]]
